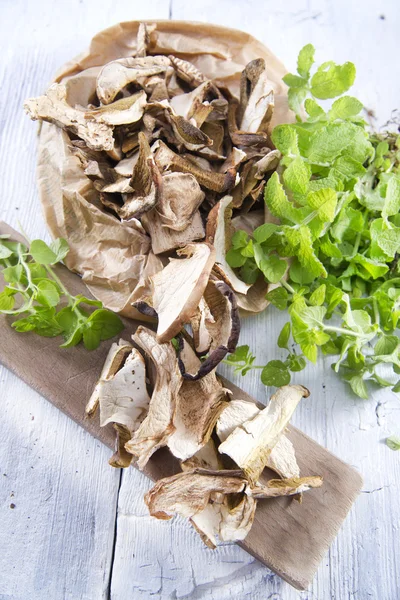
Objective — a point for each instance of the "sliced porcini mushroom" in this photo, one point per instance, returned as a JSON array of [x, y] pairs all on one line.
[[181, 198], [256, 98], [123, 397], [196, 104], [143, 39], [266, 163], [164, 239], [154, 431], [282, 458], [115, 359], [188, 493], [285, 487], [187, 134], [121, 459], [117, 74], [186, 71], [197, 408], [223, 328], [201, 336], [167, 159], [250, 444], [233, 160], [205, 458], [120, 186], [244, 139], [54, 108], [125, 166], [146, 183], [177, 289], [122, 112], [218, 233]]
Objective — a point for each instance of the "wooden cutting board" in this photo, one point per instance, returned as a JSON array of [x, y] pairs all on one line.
[[288, 537]]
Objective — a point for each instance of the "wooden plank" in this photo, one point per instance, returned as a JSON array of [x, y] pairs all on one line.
[[291, 539]]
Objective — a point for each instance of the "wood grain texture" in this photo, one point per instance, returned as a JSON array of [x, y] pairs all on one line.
[[153, 560]]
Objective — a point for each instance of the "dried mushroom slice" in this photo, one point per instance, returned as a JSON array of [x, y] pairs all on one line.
[[250, 444], [154, 431], [256, 98], [121, 459], [186, 71], [115, 359], [244, 139], [205, 458], [218, 233], [122, 112], [285, 487], [167, 159], [123, 397], [187, 134], [221, 322], [198, 406], [146, 183], [54, 108], [188, 493], [143, 38], [282, 459], [181, 198], [164, 239], [117, 74], [195, 104], [177, 289]]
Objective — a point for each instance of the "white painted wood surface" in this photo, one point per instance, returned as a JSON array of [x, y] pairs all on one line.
[[80, 530]]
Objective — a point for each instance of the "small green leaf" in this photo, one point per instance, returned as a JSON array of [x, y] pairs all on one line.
[[13, 274], [279, 297], [80, 299], [305, 60], [6, 300], [5, 252], [310, 351], [275, 373], [297, 175], [264, 232], [324, 202], [393, 442], [276, 199], [296, 97], [345, 107], [41, 253], [332, 80], [60, 248], [92, 338], [299, 274], [294, 81], [106, 322], [272, 267], [387, 344], [317, 298], [297, 363], [357, 384], [284, 336], [249, 273], [239, 239], [392, 200], [313, 109], [285, 139], [47, 293], [234, 258]]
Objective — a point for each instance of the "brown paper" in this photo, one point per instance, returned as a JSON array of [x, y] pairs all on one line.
[[111, 256]]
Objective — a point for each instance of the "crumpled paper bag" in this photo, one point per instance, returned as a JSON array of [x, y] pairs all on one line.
[[113, 257]]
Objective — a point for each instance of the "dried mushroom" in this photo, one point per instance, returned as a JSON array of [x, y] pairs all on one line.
[[286, 487], [154, 431], [177, 289], [250, 444], [174, 213], [256, 98], [215, 327]]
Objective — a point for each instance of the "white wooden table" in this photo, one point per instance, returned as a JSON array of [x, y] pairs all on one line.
[[70, 525]]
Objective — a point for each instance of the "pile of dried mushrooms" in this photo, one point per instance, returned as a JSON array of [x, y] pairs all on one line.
[[181, 162]]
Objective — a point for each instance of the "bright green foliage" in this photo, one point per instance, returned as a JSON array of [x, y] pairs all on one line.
[[336, 193], [35, 294]]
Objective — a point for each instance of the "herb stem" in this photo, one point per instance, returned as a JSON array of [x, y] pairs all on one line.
[[343, 331], [286, 285]]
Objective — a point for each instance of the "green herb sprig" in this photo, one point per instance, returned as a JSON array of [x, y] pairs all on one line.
[[334, 244], [36, 296]]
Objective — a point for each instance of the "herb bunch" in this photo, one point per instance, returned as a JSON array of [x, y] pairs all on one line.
[[332, 248], [37, 298]]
